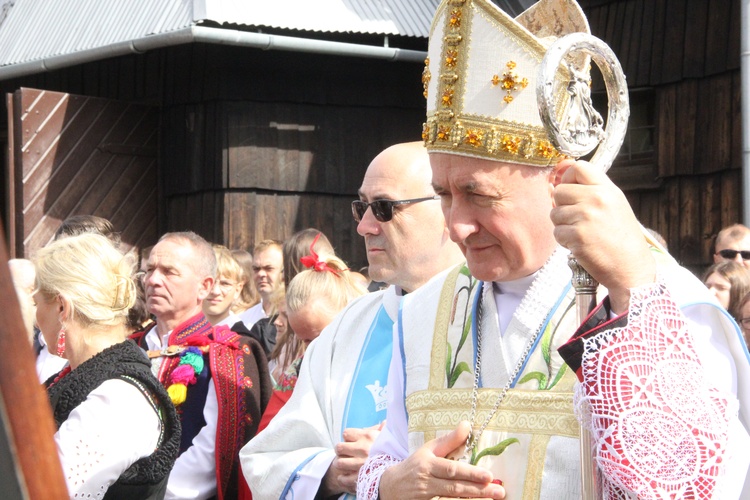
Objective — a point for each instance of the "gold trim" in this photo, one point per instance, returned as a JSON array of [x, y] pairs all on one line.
[[426, 77], [522, 412], [487, 139], [532, 486], [439, 340]]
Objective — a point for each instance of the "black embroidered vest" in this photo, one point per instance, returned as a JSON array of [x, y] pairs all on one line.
[[147, 477]]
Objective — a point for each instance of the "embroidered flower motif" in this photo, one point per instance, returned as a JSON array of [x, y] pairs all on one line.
[[473, 137], [545, 149], [455, 20], [451, 58], [511, 144], [247, 382], [510, 81], [288, 379], [448, 97], [444, 133], [246, 349]]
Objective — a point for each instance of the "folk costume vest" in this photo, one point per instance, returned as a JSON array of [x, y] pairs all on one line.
[[236, 365], [531, 442], [147, 477]]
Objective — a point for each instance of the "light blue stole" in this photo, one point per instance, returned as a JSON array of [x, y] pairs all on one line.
[[367, 398], [366, 401]]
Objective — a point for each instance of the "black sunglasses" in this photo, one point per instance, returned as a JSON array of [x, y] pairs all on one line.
[[732, 254], [383, 209]]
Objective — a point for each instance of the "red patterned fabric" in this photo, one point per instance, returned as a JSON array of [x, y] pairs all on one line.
[[243, 386]]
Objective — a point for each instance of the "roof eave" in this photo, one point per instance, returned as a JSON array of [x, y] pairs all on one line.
[[202, 34]]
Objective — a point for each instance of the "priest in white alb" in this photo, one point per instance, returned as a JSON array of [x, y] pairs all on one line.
[[315, 445]]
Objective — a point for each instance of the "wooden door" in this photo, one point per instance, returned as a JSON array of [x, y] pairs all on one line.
[[72, 155]]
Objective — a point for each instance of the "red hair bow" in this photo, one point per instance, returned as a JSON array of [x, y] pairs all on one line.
[[313, 262]]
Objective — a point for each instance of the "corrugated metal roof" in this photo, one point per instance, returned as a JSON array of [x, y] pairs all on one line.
[[387, 17], [36, 30]]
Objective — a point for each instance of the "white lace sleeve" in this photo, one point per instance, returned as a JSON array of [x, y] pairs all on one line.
[[103, 436], [659, 429], [368, 480]]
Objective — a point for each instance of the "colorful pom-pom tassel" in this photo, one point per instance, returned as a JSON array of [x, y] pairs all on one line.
[[177, 393], [183, 374], [194, 360]]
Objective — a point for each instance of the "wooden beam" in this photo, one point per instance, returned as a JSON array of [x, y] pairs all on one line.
[[28, 419]]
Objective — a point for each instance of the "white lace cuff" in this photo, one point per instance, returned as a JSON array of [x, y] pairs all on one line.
[[368, 481], [658, 429]]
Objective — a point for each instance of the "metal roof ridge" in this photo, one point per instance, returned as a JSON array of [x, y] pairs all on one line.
[[202, 34]]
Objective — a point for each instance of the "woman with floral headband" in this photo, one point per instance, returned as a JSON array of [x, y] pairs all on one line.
[[314, 297], [117, 430]]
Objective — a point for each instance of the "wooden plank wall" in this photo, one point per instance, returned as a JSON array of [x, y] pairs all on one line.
[[133, 79], [687, 51], [284, 156]]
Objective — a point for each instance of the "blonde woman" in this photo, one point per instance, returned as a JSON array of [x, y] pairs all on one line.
[[117, 430], [249, 296], [314, 297]]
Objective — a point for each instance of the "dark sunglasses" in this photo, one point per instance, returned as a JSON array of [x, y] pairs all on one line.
[[732, 254], [383, 209]]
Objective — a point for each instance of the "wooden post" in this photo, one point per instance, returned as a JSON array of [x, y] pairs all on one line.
[[27, 420]]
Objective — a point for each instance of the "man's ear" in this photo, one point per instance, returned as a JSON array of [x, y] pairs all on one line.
[[205, 287]]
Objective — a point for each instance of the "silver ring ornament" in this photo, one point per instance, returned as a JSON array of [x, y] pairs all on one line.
[[580, 129]]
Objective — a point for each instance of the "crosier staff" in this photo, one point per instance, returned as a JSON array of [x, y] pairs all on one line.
[[576, 135]]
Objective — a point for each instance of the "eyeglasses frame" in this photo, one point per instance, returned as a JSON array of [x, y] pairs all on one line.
[[389, 203]]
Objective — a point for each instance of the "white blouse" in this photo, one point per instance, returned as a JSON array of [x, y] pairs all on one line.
[[104, 435]]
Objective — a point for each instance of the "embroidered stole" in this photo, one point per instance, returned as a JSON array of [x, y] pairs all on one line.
[[367, 399], [518, 442], [366, 402]]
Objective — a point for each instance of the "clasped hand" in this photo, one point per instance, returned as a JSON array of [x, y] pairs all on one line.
[[427, 474]]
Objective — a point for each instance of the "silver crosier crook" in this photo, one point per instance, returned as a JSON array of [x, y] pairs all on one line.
[[577, 133]]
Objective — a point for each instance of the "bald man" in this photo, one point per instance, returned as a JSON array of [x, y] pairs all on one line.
[[318, 441]]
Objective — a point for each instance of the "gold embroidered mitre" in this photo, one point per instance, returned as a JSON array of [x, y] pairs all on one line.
[[481, 74]]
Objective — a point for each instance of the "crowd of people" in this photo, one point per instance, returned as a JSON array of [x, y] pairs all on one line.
[[192, 370]]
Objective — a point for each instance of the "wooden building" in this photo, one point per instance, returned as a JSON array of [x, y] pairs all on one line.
[[241, 144], [681, 164]]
